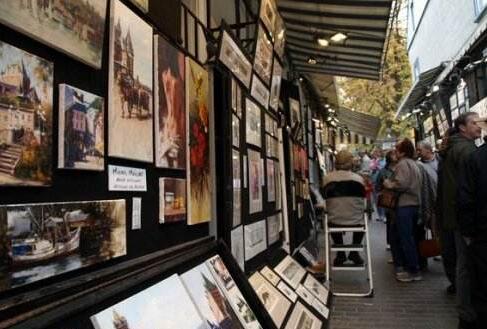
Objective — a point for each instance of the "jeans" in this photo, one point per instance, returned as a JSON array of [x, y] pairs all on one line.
[[403, 242], [449, 255], [464, 291]]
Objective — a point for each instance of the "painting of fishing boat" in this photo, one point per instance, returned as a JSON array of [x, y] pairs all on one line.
[[38, 241]]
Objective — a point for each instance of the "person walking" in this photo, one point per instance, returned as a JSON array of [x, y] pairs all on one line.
[[407, 182], [459, 148]]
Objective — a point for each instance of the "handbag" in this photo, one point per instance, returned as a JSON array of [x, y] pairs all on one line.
[[430, 247], [387, 199]]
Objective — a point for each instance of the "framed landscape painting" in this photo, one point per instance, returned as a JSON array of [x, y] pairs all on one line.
[[198, 157], [170, 116], [26, 89], [130, 86], [46, 239], [81, 130], [172, 200], [77, 28]]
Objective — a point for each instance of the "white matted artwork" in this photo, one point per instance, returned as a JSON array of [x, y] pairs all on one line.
[[287, 291], [321, 308], [237, 242], [255, 239], [270, 275], [290, 271], [253, 123], [275, 86], [273, 229], [237, 206], [271, 180], [302, 318], [280, 36], [130, 93], [263, 56], [274, 302], [255, 187], [268, 14], [235, 131], [316, 288], [234, 59], [305, 294], [260, 92], [294, 112]]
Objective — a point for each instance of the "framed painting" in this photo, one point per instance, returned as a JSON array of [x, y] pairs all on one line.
[[271, 183], [44, 240], [253, 123], [255, 239], [54, 23], [269, 274], [81, 130], [237, 242], [316, 288], [279, 37], [170, 116], [232, 56], [295, 112], [255, 178], [237, 188], [287, 291], [235, 131], [260, 92], [290, 271], [141, 4], [263, 56], [26, 98], [198, 156], [273, 229], [268, 14], [172, 200], [301, 317], [130, 86], [275, 86]]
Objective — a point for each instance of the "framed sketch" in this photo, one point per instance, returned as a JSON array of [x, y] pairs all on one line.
[[253, 123], [232, 56], [301, 317], [273, 229], [237, 191], [275, 86], [322, 309], [255, 239], [294, 111], [304, 294], [279, 37], [268, 14], [278, 187], [273, 300], [80, 36], [170, 115], [287, 291], [269, 274], [271, 183], [263, 55], [81, 130], [290, 271], [255, 177], [198, 156], [260, 92], [172, 200], [45, 238], [237, 244], [235, 131], [26, 98], [130, 86], [142, 4]]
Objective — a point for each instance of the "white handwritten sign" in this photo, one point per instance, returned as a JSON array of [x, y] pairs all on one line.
[[126, 179]]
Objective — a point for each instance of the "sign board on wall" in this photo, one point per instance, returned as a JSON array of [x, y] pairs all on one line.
[[126, 179]]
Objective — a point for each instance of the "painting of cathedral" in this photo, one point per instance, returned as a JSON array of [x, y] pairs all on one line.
[[130, 111], [81, 133], [75, 27], [26, 83]]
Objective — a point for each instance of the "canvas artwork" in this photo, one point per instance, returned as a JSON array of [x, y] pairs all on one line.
[[237, 207], [234, 59], [290, 271], [237, 242], [263, 56], [275, 86], [273, 229], [294, 112], [142, 4], [130, 86], [38, 241], [279, 37], [172, 200], [269, 274], [81, 130], [260, 92], [235, 131], [255, 186], [287, 291], [271, 186], [274, 302], [153, 308], [268, 14], [25, 117], [170, 115], [255, 239], [54, 23], [253, 123], [198, 157], [302, 318], [316, 288]]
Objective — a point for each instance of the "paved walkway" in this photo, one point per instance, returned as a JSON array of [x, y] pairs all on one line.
[[395, 305]]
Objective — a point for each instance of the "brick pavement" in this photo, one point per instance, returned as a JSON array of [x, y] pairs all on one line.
[[395, 305]]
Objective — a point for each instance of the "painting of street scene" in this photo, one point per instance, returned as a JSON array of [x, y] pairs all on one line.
[[169, 109], [25, 117], [81, 133], [172, 200], [130, 86], [75, 27], [38, 241]]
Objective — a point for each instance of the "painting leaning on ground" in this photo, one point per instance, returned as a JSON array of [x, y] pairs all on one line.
[[74, 27], [26, 83], [39, 241]]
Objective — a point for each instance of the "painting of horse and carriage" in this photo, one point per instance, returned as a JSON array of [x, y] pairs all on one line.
[[75, 27], [38, 241], [130, 112]]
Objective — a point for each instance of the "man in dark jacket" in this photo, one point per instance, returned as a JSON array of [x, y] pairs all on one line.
[[472, 224], [460, 147]]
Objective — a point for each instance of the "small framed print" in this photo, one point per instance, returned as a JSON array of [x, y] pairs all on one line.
[[275, 86], [263, 56], [305, 294], [270, 275], [253, 123], [295, 112], [260, 92], [235, 131], [317, 289], [279, 37], [268, 14], [255, 178], [290, 271], [287, 291], [234, 59], [301, 317]]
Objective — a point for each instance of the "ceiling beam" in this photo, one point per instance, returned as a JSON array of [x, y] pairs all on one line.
[[339, 73], [350, 15], [333, 61], [292, 36], [364, 3], [311, 51], [336, 27], [337, 66], [338, 69]]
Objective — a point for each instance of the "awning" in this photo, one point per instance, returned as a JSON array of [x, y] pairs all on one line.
[[365, 24], [418, 91], [359, 123]]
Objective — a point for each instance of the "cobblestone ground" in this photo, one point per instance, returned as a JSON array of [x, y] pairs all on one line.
[[395, 305]]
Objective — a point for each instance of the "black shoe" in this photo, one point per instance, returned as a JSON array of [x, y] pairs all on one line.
[[451, 289], [355, 258], [462, 324], [339, 260]]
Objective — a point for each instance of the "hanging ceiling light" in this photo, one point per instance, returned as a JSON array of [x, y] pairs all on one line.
[[339, 37], [322, 41], [312, 60]]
